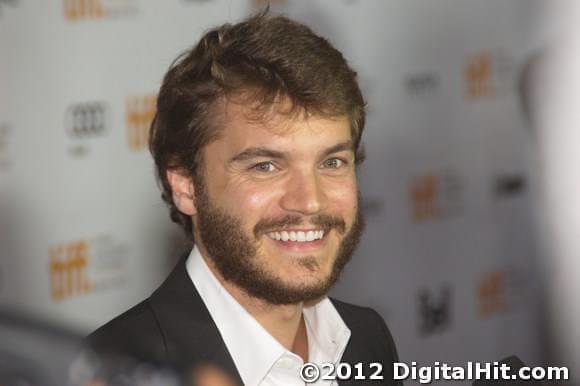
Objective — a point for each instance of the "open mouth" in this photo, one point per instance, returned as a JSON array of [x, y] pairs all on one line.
[[298, 242], [297, 236]]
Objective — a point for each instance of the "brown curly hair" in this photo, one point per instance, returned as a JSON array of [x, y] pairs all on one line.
[[271, 56]]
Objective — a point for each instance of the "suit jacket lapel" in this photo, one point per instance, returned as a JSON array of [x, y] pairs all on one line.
[[191, 336]]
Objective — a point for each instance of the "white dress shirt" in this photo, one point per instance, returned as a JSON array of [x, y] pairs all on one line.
[[260, 359]]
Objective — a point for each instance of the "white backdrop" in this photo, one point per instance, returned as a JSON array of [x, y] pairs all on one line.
[[449, 255]]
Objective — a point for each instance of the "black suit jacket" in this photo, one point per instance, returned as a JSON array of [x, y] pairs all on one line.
[[173, 327]]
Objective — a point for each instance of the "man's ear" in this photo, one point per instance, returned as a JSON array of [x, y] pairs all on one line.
[[183, 191]]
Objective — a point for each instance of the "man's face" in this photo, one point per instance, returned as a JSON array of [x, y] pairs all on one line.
[[277, 206]]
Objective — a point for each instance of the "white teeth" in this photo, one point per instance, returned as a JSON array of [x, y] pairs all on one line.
[[299, 236]]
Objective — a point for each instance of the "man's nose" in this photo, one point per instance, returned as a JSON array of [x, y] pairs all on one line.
[[304, 194]]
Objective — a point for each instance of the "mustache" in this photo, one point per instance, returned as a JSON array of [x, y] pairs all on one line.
[[324, 221]]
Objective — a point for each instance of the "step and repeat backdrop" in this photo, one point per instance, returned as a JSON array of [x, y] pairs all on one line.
[[449, 257]]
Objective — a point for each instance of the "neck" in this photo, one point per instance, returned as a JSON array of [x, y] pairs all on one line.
[[284, 322]]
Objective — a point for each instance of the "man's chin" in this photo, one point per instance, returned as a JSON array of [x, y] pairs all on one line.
[[304, 291], [291, 298]]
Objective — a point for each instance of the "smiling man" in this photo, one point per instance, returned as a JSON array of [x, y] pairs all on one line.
[[256, 142]]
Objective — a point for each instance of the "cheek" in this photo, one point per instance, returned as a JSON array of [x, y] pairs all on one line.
[[250, 201], [256, 199], [343, 197]]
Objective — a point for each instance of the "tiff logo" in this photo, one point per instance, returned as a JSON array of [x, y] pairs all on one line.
[[83, 9], [79, 10], [68, 270], [502, 290], [479, 76], [433, 196], [434, 311], [491, 294], [423, 194], [140, 114]]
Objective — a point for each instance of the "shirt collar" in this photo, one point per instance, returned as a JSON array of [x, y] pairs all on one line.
[[328, 335], [255, 351]]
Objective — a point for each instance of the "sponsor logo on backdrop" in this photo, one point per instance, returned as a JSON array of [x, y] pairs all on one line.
[[68, 269], [487, 74], [84, 122], [500, 291], [140, 111], [87, 120], [478, 76], [372, 206], [434, 310], [80, 10], [509, 185], [86, 266], [434, 196], [422, 83], [5, 134]]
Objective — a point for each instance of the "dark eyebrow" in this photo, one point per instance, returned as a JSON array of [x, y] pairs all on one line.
[[348, 146], [255, 152]]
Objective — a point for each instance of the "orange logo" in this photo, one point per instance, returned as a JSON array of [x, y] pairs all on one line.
[[479, 76], [140, 114], [423, 195], [68, 270], [491, 294], [80, 10], [435, 195], [83, 9]]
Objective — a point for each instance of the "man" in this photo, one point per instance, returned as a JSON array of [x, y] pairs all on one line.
[[256, 142]]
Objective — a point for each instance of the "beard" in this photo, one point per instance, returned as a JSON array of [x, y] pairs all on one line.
[[235, 254]]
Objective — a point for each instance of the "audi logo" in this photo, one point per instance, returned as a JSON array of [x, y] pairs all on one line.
[[87, 120]]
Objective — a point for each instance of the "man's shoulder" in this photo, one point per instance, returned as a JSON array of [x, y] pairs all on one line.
[[133, 333]]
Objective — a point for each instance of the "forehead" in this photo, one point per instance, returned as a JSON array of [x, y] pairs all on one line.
[[243, 122]]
